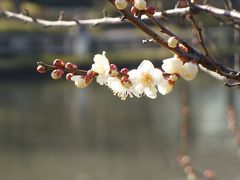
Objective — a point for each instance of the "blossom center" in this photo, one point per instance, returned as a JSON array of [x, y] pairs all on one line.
[[147, 79]]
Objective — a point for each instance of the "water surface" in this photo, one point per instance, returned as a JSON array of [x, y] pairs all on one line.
[[54, 131]]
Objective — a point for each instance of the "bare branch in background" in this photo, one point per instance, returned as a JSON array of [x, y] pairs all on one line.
[[199, 34], [216, 12]]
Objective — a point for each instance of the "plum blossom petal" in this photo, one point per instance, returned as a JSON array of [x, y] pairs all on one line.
[[157, 75], [122, 90], [101, 79], [164, 87], [172, 65], [101, 67], [134, 75], [145, 66], [151, 92]]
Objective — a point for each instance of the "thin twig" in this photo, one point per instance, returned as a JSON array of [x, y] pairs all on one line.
[[199, 34], [51, 68]]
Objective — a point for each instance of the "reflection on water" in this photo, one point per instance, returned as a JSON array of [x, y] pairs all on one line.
[[54, 131]]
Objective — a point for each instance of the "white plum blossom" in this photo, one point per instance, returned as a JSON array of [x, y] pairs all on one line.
[[189, 71], [121, 89], [145, 78], [101, 67], [79, 81], [172, 65], [165, 87]]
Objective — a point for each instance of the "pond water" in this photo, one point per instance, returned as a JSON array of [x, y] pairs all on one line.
[[54, 131]]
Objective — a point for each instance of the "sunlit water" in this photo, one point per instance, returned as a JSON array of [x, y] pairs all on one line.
[[54, 131]]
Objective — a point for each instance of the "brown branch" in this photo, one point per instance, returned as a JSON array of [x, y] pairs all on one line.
[[199, 34], [193, 54], [51, 68]]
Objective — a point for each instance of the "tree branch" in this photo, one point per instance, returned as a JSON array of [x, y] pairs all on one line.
[[199, 34], [216, 12], [51, 68], [192, 54]]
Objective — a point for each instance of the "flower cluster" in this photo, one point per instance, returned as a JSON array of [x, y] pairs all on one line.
[[144, 80]]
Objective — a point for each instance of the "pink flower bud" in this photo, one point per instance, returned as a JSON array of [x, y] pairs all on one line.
[[69, 76], [57, 74], [124, 71], [72, 67], [41, 69], [59, 64], [134, 10]]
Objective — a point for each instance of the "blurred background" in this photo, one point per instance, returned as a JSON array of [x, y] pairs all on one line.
[[53, 131]]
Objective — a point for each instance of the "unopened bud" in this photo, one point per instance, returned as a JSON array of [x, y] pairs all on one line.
[[140, 4], [134, 10], [172, 42], [124, 71], [57, 74], [121, 4], [72, 67], [209, 174], [69, 76], [189, 71], [58, 63], [41, 69], [185, 160]]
